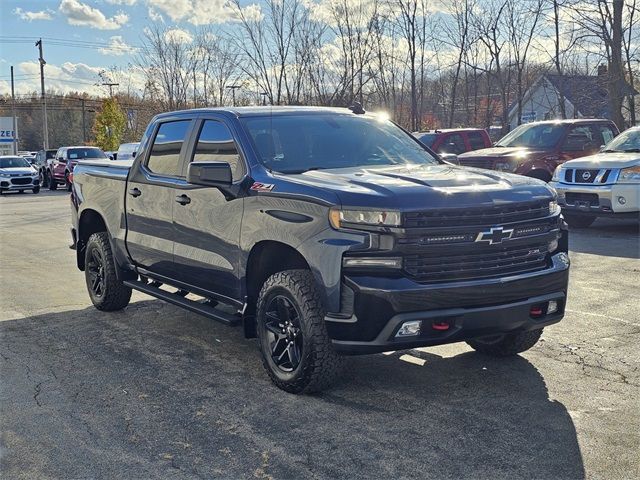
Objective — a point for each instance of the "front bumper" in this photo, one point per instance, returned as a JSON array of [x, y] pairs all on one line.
[[600, 200], [469, 309], [11, 183]]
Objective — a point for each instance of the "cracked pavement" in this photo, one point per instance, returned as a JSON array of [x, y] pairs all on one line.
[[157, 392]]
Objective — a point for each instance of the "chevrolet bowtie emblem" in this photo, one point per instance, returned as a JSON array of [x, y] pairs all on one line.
[[495, 235]]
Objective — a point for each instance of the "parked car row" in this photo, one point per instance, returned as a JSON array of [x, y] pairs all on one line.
[[595, 171]]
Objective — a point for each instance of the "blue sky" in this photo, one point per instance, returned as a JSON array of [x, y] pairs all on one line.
[[83, 37]]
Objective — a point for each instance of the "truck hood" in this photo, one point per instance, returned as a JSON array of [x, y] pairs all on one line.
[[502, 152], [420, 187], [605, 160], [18, 171]]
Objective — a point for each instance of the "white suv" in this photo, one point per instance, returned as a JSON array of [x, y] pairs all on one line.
[[604, 184]]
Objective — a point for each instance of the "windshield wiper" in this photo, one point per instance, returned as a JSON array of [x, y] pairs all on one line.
[[608, 150], [632, 150]]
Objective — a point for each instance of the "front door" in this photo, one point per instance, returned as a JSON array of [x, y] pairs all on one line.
[[151, 198], [207, 223]]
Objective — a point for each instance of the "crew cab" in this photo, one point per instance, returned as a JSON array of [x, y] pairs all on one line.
[[603, 185], [536, 149], [61, 166], [323, 232]]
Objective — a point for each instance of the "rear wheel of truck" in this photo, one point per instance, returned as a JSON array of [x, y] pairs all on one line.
[[106, 291], [507, 344], [295, 347], [52, 183], [579, 221]]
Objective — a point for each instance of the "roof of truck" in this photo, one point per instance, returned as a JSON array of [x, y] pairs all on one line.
[[265, 111]]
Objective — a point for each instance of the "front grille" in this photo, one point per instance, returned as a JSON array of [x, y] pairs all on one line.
[[477, 162], [588, 199], [21, 181], [498, 215], [496, 262], [586, 175]]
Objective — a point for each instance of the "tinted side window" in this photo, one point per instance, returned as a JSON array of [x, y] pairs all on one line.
[[454, 143], [164, 158], [578, 139], [476, 140], [215, 144]]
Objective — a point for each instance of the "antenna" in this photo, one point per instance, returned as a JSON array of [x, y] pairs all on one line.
[[357, 108]]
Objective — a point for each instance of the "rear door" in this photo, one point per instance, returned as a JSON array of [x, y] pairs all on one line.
[[151, 197], [207, 220]]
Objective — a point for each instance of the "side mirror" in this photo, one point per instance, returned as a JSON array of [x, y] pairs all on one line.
[[210, 174]]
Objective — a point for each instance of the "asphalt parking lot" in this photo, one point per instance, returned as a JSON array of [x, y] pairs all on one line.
[[157, 392]]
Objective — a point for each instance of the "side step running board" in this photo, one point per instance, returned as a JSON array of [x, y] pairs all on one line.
[[197, 307]]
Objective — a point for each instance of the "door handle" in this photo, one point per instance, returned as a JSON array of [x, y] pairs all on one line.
[[135, 192], [183, 199]]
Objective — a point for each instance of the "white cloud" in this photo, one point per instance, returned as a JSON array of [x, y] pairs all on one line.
[[117, 47], [30, 16], [154, 16], [122, 2], [203, 12], [81, 14], [177, 35]]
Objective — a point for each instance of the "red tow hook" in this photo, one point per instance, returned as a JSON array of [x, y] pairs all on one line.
[[441, 326], [536, 311]]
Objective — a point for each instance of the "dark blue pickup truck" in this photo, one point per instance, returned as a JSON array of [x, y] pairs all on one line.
[[323, 232]]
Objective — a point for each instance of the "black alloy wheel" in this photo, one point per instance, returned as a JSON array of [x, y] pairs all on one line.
[[282, 321], [95, 269]]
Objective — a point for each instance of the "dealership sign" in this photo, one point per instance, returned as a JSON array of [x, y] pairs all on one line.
[[6, 135]]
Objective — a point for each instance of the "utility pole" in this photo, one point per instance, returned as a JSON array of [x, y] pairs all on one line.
[[45, 132], [233, 92], [84, 125], [13, 115], [110, 85]]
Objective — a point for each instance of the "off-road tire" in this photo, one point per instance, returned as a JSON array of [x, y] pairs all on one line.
[[320, 365], [579, 221], [116, 296], [52, 182], [506, 345]]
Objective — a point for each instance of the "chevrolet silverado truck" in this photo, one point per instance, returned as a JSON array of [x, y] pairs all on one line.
[[324, 233], [536, 149]]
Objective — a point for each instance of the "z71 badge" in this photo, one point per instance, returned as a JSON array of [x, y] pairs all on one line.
[[262, 187]]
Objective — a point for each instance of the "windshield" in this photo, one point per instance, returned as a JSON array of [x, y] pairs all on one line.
[[545, 135], [14, 162], [628, 141], [51, 154], [427, 138], [297, 143], [80, 153]]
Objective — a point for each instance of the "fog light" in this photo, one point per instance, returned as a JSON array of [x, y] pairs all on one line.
[[552, 307], [408, 329], [622, 200]]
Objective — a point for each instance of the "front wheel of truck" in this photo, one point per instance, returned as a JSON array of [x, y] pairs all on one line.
[[296, 349], [507, 344], [106, 291]]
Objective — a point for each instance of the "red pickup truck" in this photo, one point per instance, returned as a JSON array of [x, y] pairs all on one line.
[[454, 140], [536, 149], [61, 166]]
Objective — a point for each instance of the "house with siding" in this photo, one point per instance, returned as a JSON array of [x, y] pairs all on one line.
[[585, 96]]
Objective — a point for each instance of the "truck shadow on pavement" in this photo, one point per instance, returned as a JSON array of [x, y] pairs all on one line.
[[156, 392]]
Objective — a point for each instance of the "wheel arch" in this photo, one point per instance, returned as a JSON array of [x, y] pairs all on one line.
[[90, 222], [265, 258]]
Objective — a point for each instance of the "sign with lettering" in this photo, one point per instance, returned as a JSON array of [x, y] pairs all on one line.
[[6, 135]]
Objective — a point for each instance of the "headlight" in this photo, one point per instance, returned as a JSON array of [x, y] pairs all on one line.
[[554, 207], [376, 218], [556, 174], [629, 175]]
